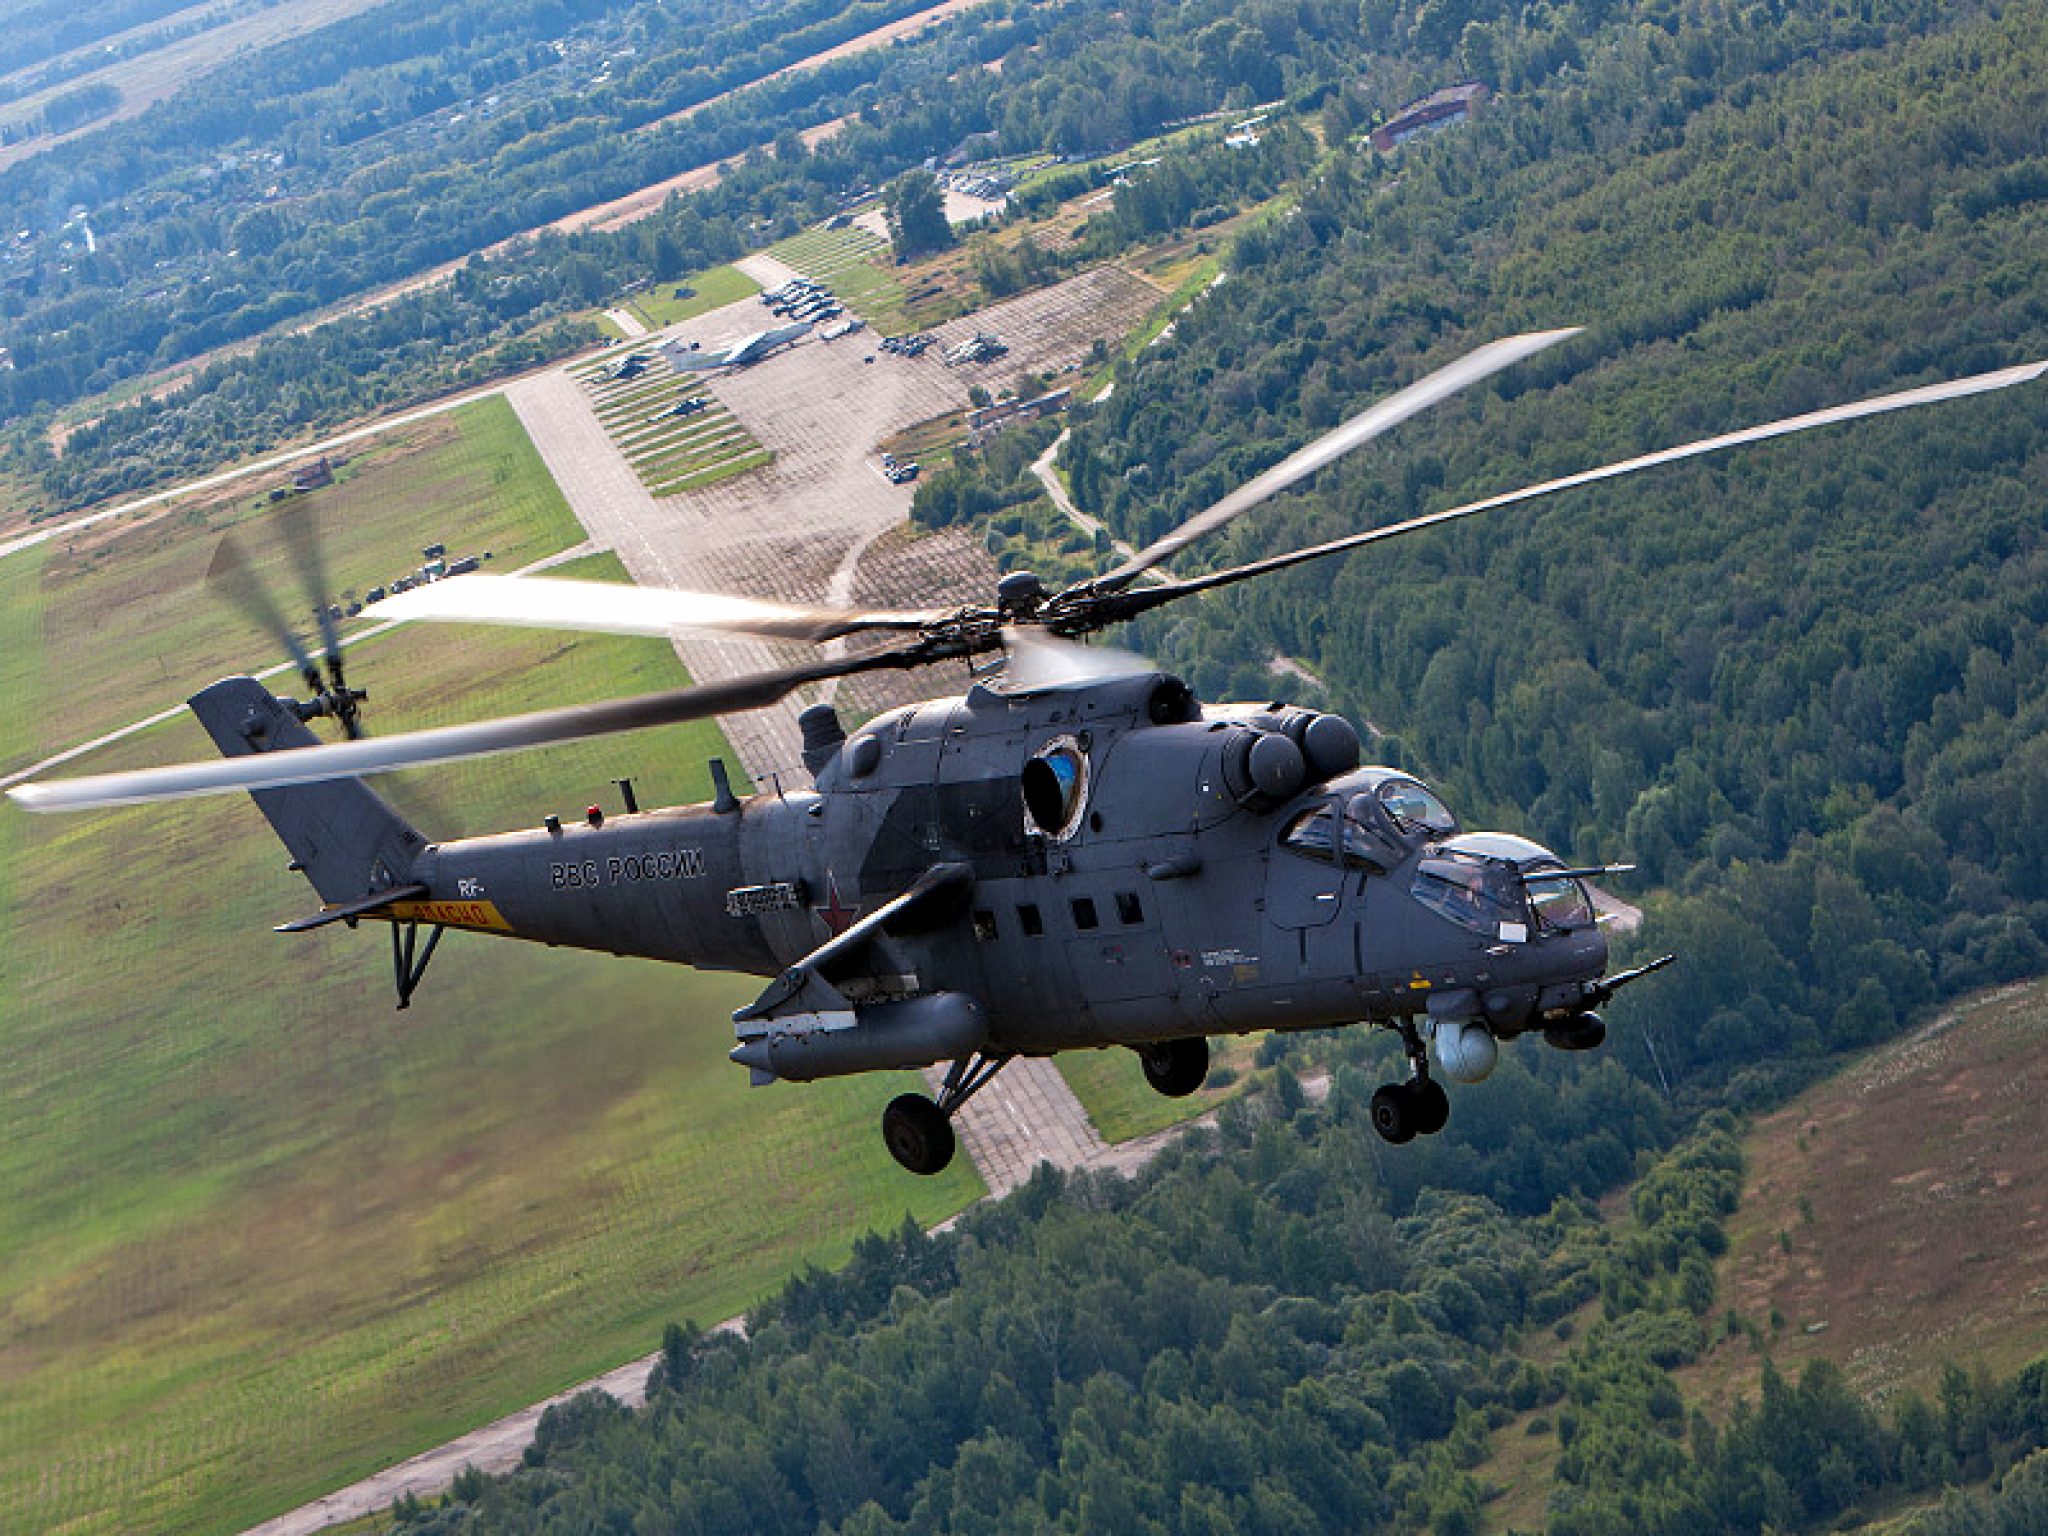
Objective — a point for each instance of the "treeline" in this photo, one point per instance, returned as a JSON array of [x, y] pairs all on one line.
[[74, 109]]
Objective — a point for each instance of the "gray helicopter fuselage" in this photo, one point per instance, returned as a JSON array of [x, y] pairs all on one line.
[[1161, 873]]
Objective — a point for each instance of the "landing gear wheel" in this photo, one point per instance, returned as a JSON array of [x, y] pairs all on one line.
[[1175, 1068], [1395, 1114], [919, 1135], [1432, 1106]]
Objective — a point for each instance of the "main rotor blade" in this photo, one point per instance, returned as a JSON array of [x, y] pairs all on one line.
[[554, 603], [1338, 441], [230, 575], [379, 754], [1147, 598]]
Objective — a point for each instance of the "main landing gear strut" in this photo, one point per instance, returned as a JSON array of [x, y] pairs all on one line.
[[1418, 1107], [919, 1132]]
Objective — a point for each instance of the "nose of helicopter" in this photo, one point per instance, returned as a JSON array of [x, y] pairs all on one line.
[[1519, 895]]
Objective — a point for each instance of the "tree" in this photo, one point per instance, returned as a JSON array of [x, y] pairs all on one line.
[[917, 215]]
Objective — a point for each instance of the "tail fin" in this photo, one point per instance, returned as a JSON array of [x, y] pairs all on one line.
[[343, 834]]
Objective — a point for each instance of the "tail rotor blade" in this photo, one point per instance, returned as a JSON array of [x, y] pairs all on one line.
[[229, 575], [302, 535]]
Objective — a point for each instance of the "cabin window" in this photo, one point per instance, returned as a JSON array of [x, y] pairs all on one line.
[[1029, 920], [984, 926], [1129, 911], [1084, 912]]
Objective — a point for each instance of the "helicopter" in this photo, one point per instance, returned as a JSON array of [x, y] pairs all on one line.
[[1074, 853]]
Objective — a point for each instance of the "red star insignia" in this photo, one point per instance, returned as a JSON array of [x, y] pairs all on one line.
[[837, 916]]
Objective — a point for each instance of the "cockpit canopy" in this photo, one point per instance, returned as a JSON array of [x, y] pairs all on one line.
[[1497, 882], [1368, 819]]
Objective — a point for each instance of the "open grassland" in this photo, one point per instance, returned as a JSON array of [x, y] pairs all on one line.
[[1112, 1088], [130, 611], [259, 1233], [1895, 1217], [671, 453], [662, 305]]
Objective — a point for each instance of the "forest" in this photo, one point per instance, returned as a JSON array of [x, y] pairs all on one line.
[[1799, 688]]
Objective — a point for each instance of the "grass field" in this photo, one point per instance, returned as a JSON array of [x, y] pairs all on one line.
[[659, 307], [259, 1233], [1112, 1088], [130, 609], [856, 264], [1911, 1185]]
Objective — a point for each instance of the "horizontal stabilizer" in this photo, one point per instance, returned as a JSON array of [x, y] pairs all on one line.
[[348, 909]]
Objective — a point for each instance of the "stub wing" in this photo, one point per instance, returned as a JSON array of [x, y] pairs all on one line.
[[804, 1025]]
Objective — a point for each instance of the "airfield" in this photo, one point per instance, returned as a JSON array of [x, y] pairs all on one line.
[[817, 521]]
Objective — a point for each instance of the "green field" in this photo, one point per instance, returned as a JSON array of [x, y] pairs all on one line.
[[659, 307], [130, 611], [259, 1233], [1112, 1088]]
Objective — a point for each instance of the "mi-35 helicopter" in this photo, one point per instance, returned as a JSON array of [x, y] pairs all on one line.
[[1077, 853]]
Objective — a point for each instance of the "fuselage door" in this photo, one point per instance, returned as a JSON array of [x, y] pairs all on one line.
[[1304, 880]]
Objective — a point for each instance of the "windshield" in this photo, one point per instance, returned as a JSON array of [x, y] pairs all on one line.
[[1414, 809], [1558, 901], [1473, 893]]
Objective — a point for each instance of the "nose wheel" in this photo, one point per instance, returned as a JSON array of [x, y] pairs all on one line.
[[1419, 1107], [1403, 1111]]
